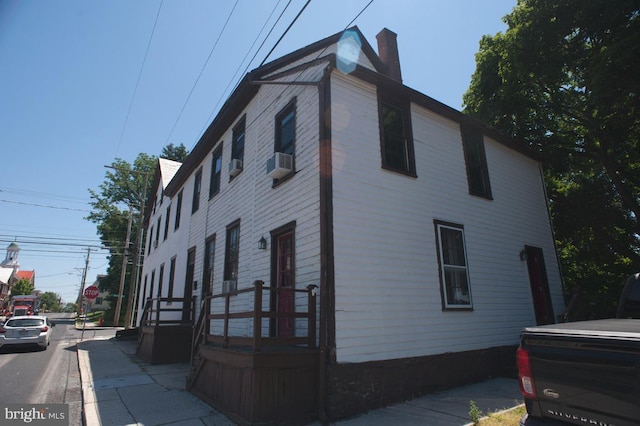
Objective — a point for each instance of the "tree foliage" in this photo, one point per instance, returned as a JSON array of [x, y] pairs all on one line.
[[564, 79], [123, 194], [22, 287], [50, 301]]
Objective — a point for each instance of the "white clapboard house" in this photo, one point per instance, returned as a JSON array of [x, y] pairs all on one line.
[[337, 241]]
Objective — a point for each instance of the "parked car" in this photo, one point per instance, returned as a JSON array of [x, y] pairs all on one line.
[[26, 330]]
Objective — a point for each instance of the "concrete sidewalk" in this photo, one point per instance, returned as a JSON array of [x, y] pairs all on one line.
[[120, 389]]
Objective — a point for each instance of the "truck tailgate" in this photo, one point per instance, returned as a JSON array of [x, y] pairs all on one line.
[[588, 372]]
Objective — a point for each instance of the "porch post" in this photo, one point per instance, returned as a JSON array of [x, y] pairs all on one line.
[[257, 315], [311, 326]]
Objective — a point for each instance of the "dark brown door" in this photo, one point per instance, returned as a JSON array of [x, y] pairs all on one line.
[[188, 285], [539, 286], [285, 282]]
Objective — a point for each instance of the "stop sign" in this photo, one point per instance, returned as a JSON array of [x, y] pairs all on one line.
[[91, 292]]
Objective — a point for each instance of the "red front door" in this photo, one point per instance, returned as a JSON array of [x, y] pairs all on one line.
[[285, 283], [539, 286]]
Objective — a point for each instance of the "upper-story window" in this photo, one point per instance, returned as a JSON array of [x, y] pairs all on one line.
[[286, 130], [150, 240], [452, 259], [178, 210], [237, 143], [197, 188], [476, 161], [166, 222], [396, 138], [155, 243], [216, 168]]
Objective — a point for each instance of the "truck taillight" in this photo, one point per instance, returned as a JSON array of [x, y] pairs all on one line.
[[525, 378], [3, 330], [44, 329]]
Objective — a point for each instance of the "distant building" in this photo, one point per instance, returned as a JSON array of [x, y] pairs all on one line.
[[10, 273]]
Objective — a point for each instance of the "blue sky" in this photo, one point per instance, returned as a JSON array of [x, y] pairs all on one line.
[[85, 82]]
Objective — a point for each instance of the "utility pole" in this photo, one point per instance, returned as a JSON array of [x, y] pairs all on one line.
[[135, 274], [123, 272], [84, 278]]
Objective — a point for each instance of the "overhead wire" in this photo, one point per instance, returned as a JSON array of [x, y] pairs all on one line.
[[201, 71], [234, 77], [135, 90]]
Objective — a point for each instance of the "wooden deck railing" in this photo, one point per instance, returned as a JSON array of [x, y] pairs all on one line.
[[152, 314], [202, 332]]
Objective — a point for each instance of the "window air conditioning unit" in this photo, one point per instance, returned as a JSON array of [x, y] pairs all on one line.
[[229, 286], [279, 165], [235, 167]]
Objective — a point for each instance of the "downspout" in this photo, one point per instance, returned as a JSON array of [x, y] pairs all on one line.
[[326, 335]]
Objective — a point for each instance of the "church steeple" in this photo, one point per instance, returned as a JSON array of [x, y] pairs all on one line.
[[12, 256]]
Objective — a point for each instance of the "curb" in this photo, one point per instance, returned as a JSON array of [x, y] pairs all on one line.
[[90, 408]]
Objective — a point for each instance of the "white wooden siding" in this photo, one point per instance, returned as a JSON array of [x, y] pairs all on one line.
[[388, 302], [251, 198]]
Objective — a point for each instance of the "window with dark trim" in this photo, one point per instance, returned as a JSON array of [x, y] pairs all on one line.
[[197, 188], [216, 168], [172, 275], [150, 241], [153, 283], [178, 210], [155, 243], [237, 141], [166, 222], [209, 256], [286, 130], [160, 280], [476, 161], [452, 262], [396, 138], [232, 252]]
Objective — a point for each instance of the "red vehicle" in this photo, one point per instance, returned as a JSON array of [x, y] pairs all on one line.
[[24, 305]]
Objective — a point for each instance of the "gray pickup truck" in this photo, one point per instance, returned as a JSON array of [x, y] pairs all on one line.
[[584, 372]]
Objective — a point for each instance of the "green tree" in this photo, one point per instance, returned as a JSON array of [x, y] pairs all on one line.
[[22, 287], [175, 153], [125, 185], [564, 79], [50, 301]]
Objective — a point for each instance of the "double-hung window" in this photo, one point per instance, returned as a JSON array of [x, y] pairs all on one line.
[[237, 141], [216, 168], [178, 210], [166, 222], [396, 138], [197, 188], [286, 130], [476, 161], [452, 259]]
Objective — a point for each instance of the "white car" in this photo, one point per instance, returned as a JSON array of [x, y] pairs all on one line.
[[26, 330]]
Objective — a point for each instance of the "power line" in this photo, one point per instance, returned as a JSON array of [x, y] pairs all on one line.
[[233, 78], [135, 90], [201, 71]]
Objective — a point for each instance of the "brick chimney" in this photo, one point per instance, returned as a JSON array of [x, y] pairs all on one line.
[[388, 52]]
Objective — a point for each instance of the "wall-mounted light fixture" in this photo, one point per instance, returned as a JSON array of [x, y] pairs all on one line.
[[523, 255], [262, 244]]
